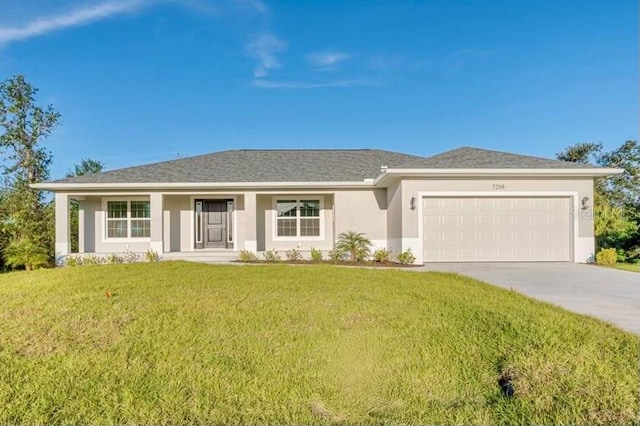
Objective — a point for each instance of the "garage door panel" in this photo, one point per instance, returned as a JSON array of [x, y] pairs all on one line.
[[497, 229]]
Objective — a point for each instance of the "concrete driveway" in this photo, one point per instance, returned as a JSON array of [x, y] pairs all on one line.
[[609, 294]]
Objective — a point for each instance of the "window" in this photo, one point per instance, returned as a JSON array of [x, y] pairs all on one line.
[[128, 219], [298, 218]]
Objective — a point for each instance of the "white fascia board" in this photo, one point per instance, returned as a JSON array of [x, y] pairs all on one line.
[[52, 186], [586, 172]]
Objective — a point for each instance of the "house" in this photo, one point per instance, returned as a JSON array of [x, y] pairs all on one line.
[[467, 204]]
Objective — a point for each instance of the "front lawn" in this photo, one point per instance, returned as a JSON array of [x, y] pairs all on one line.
[[180, 343]]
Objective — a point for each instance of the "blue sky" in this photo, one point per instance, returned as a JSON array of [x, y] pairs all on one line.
[[139, 81]]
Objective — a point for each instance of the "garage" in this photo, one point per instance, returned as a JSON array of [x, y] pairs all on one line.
[[497, 229]]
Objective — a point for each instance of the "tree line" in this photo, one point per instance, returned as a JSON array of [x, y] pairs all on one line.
[[27, 223]]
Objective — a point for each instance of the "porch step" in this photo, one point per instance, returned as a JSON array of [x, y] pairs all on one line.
[[206, 257]]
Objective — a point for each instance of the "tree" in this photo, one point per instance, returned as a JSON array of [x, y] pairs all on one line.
[[86, 166], [616, 198], [24, 125]]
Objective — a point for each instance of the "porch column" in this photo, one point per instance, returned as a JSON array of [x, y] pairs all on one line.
[[81, 230], [62, 227], [157, 241], [250, 228]]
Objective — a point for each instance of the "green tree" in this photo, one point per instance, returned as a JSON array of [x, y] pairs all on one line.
[[86, 166], [616, 198], [24, 125]]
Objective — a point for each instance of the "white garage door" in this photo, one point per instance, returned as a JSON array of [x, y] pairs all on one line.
[[496, 229]]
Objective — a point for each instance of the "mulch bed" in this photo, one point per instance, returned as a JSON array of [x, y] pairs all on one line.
[[328, 262]]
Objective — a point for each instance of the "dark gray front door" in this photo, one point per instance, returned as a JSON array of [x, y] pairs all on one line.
[[215, 223]]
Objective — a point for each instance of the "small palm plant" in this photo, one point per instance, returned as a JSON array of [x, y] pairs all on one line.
[[25, 252], [355, 243]]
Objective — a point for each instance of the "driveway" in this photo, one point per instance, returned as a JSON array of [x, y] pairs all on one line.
[[609, 294]]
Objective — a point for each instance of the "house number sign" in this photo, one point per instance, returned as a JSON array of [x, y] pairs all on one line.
[[498, 186]]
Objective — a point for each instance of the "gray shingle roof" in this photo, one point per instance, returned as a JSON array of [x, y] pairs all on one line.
[[309, 165], [476, 158]]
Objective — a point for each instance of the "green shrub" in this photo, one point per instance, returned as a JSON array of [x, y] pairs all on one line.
[[354, 243], [336, 255], [272, 256], [293, 255], [72, 260], [92, 259], [247, 256], [316, 255], [407, 257], [152, 256], [130, 257], [607, 256], [26, 253], [382, 255], [113, 258]]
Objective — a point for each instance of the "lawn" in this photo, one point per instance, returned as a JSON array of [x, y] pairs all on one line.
[[181, 343], [633, 267]]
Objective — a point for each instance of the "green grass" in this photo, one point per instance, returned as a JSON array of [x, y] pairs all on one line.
[[181, 343], [633, 267]]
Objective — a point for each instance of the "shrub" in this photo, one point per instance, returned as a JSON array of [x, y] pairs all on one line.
[[130, 257], [406, 257], [294, 255], [354, 243], [72, 261], [152, 256], [607, 257], [336, 255], [91, 259], [247, 256], [382, 255], [27, 253], [113, 258], [271, 256], [316, 255]]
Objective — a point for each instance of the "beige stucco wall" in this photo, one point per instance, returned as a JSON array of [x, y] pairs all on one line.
[[394, 216], [362, 211]]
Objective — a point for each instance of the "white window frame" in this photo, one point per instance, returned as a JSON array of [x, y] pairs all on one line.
[[297, 198], [105, 219]]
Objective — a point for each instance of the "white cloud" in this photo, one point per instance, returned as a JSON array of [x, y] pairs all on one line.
[[71, 18], [326, 59], [264, 49], [269, 84]]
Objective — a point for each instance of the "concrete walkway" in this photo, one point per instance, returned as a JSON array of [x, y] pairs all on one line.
[[609, 294]]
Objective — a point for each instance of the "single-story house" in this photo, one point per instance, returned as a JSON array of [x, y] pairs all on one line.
[[464, 205]]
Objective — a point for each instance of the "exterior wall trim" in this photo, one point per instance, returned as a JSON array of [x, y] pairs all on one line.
[[575, 247]]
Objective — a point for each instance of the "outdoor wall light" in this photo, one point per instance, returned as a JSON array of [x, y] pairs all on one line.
[[585, 203], [412, 203]]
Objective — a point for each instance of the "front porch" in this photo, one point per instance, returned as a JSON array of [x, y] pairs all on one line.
[[193, 226]]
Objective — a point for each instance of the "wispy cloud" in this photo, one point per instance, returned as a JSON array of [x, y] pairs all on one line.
[[264, 50], [70, 18], [270, 84], [326, 59]]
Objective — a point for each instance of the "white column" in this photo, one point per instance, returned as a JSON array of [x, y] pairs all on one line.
[[62, 227], [81, 230], [157, 241], [249, 222]]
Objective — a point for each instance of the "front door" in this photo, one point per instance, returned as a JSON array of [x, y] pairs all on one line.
[[215, 223]]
